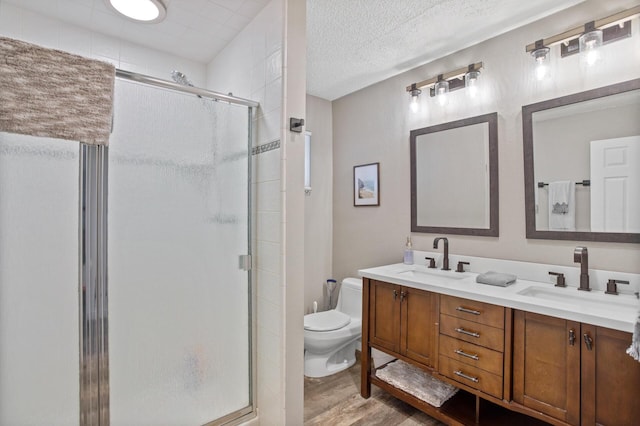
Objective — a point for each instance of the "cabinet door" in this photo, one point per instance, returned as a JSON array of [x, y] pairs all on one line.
[[384, 315], [546, 365], [418, 325], [610, 379]]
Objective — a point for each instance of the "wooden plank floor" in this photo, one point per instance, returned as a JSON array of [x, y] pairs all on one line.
[[335, 401]]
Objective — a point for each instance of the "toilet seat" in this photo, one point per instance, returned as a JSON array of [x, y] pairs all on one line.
[[326, 321]]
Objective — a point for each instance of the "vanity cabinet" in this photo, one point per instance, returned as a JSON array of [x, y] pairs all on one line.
[[577, 373], [472, 341], [403, 320]]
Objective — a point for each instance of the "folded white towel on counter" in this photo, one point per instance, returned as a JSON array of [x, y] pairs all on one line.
[[496, 278], [634, 349], [562, 205]]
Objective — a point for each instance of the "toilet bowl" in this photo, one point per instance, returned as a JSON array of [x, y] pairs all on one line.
[[331, 337]]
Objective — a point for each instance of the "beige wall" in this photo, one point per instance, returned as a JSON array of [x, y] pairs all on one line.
[[318, 206], [373, 124]]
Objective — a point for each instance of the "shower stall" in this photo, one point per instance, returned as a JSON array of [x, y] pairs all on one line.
[[125, 271]]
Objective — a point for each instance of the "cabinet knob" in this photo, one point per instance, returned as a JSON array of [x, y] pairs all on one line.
[[572, 337]]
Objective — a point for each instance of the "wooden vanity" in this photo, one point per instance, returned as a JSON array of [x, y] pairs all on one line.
[[512, 366]]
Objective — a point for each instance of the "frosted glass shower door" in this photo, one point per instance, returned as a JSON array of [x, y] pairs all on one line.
[[179, 320], [39, 331]]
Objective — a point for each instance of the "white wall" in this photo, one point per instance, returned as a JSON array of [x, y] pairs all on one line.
[[318, 206], [32, 27], [373, 125]]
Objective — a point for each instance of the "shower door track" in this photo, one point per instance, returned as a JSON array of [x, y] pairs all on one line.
[[153, 81]]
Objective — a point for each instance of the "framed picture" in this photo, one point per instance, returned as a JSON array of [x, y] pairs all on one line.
[[366, 185]]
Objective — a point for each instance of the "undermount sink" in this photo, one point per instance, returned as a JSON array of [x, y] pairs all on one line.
[[590, 300], [435, 273]]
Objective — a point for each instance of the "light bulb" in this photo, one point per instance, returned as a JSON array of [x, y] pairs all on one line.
[[441, 89], [541, 56], [590, 43], [471, 79], [414, 104], [415, 95]]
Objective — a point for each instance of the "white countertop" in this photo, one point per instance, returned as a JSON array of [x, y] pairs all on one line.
[[618, 312]]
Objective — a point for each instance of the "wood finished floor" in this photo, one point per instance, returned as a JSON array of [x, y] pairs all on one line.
[[336, 401]]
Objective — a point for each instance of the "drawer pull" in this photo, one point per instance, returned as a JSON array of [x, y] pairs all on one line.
[[464, 376], [468, 311], [468, 333], [463, 353]]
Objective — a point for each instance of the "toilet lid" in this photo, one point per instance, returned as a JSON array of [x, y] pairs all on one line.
[[326, 321]]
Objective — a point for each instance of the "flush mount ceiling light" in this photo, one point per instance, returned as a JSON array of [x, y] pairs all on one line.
[[442, 84], [147, 11], [587, 38]]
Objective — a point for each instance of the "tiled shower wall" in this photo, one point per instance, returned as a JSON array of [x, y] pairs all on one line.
[[251, 67]]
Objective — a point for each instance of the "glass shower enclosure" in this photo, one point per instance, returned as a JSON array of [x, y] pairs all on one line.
[[166, 336]]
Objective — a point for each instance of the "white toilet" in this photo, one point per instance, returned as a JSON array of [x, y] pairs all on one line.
[[331, 337]]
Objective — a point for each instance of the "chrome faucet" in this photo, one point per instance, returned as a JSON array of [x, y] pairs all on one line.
[[581, 256], [445, 261]]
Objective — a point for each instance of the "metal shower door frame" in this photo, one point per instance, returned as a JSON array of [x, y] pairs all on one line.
[[93, 277]]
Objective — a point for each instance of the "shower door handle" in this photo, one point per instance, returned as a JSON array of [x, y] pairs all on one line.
[[244, 262]]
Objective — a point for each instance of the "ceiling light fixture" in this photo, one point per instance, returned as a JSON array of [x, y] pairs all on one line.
[[587, 38], [147, 11], [442, 84]]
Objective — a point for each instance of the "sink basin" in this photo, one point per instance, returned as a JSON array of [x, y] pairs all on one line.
[[592, 300], [432, 273]]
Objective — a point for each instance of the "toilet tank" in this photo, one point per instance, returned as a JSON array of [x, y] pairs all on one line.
[[350, 298]]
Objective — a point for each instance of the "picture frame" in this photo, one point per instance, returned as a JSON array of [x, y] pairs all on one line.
[[366, 185]]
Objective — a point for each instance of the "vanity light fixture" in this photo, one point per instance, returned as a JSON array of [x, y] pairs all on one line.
[[541, 56], [442, 84], [147, 11], [590, 43], [471, 77], [415, 95], [587, 38], [441, 88]]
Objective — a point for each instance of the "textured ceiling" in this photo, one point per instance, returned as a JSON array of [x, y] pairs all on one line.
[[351, 44], [354, 43]]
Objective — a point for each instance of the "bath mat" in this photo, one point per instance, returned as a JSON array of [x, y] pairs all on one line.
[[416, 382]]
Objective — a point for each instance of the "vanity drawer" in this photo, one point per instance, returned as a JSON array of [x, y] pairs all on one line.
[[479, 334], [471, 376], [470, 354], [483, 313]]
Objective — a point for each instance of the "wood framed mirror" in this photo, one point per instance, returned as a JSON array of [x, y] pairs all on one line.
[[454, 177], [590, 140]]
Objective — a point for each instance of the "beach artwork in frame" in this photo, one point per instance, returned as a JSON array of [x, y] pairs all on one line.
[[366, 185]]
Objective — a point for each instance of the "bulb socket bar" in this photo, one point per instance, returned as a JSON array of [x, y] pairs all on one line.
[[455, 79], [612, 21]]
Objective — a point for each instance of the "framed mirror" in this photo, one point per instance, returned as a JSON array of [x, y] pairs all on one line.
[[454, 177], [582, 165]]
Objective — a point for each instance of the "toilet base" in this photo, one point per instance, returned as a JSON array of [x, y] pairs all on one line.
[[327, 364]]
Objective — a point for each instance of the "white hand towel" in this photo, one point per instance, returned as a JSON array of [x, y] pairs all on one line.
[[562, 205]]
